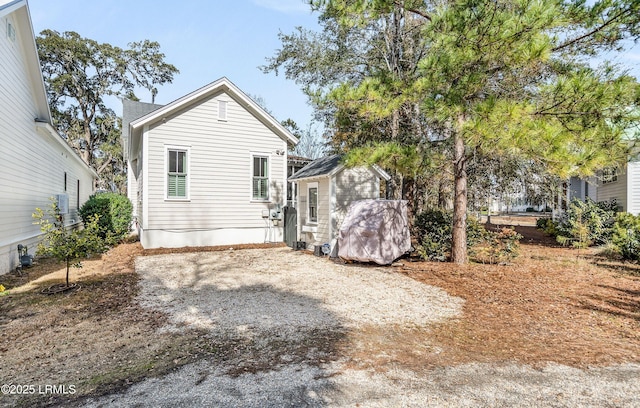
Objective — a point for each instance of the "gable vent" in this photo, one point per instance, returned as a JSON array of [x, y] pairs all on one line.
[[11, 31], [222, 110]]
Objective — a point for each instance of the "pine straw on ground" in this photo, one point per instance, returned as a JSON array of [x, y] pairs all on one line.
[[552, 304]]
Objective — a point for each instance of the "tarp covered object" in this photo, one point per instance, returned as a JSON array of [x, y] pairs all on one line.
[[374, 231]]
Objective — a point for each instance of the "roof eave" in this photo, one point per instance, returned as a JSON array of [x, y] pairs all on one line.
[[317, 176]]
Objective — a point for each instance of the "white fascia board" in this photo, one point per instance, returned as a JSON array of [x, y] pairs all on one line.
[[383, 174], [8, 7]]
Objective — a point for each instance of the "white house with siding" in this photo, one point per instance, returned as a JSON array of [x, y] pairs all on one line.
[[207, 169], [623, 185], [37, 163], [326, 188]]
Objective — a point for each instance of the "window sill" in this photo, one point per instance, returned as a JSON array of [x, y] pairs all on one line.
[[310, 228], [260, 201], [177, 200]]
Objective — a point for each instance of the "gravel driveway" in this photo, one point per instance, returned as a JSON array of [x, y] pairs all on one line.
[[279, 315]]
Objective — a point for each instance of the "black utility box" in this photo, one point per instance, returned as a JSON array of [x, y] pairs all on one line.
[[300, 245]]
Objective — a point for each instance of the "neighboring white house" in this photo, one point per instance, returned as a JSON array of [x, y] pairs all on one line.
[[325, 189], [622, 185], [207, 169], [36, 162]]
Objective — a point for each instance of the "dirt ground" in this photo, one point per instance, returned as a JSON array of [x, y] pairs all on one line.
[[552, 304]]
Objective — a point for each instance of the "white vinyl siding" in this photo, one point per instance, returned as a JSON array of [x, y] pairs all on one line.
[[260, 178], [324, 211], [614, 190], [220, 168], [334, 195], [34, 162], [322, 223], [633, 187]]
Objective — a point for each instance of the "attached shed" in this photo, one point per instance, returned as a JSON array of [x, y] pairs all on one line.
[[326, 188]]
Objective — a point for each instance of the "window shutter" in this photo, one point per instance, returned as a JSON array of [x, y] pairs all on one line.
[[177, 185]]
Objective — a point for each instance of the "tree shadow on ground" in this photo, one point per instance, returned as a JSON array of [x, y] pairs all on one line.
[[626, 268], [617, 301], [251, 327]]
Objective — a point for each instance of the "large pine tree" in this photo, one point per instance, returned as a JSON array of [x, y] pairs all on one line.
[[506, 76]]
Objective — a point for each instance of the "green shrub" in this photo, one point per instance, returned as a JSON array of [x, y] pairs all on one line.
[[549, 226], [497, 247], [115, 215], [626, 236], [433, 232], [433, 229], [541, 223], [587, 223]]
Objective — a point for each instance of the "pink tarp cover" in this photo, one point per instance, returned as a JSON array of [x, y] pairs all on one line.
[[374, 231]]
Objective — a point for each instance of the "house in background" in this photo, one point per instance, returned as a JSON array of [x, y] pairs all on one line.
[[326, 188], [621, 185], [207, 169], [294, 164], [37, 163], [580, 188]]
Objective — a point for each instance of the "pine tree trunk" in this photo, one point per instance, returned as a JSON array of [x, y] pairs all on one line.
[[459, 235], [409, 194]]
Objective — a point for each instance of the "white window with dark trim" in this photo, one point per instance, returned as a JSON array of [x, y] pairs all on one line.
[[609, 175], [312, 202], [177, 173], [260, 178]]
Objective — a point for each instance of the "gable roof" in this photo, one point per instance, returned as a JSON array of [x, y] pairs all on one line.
[[329, 166], [318, 168], [221, 85]]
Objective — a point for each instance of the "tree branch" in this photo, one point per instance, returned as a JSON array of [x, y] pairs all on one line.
[[592, 32], [104, 165], [413, 10]]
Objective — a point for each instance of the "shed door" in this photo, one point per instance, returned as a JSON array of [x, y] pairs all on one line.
[[290, 226]]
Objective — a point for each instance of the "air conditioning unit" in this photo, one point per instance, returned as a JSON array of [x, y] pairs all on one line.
[[62, 201], [276, 215]]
